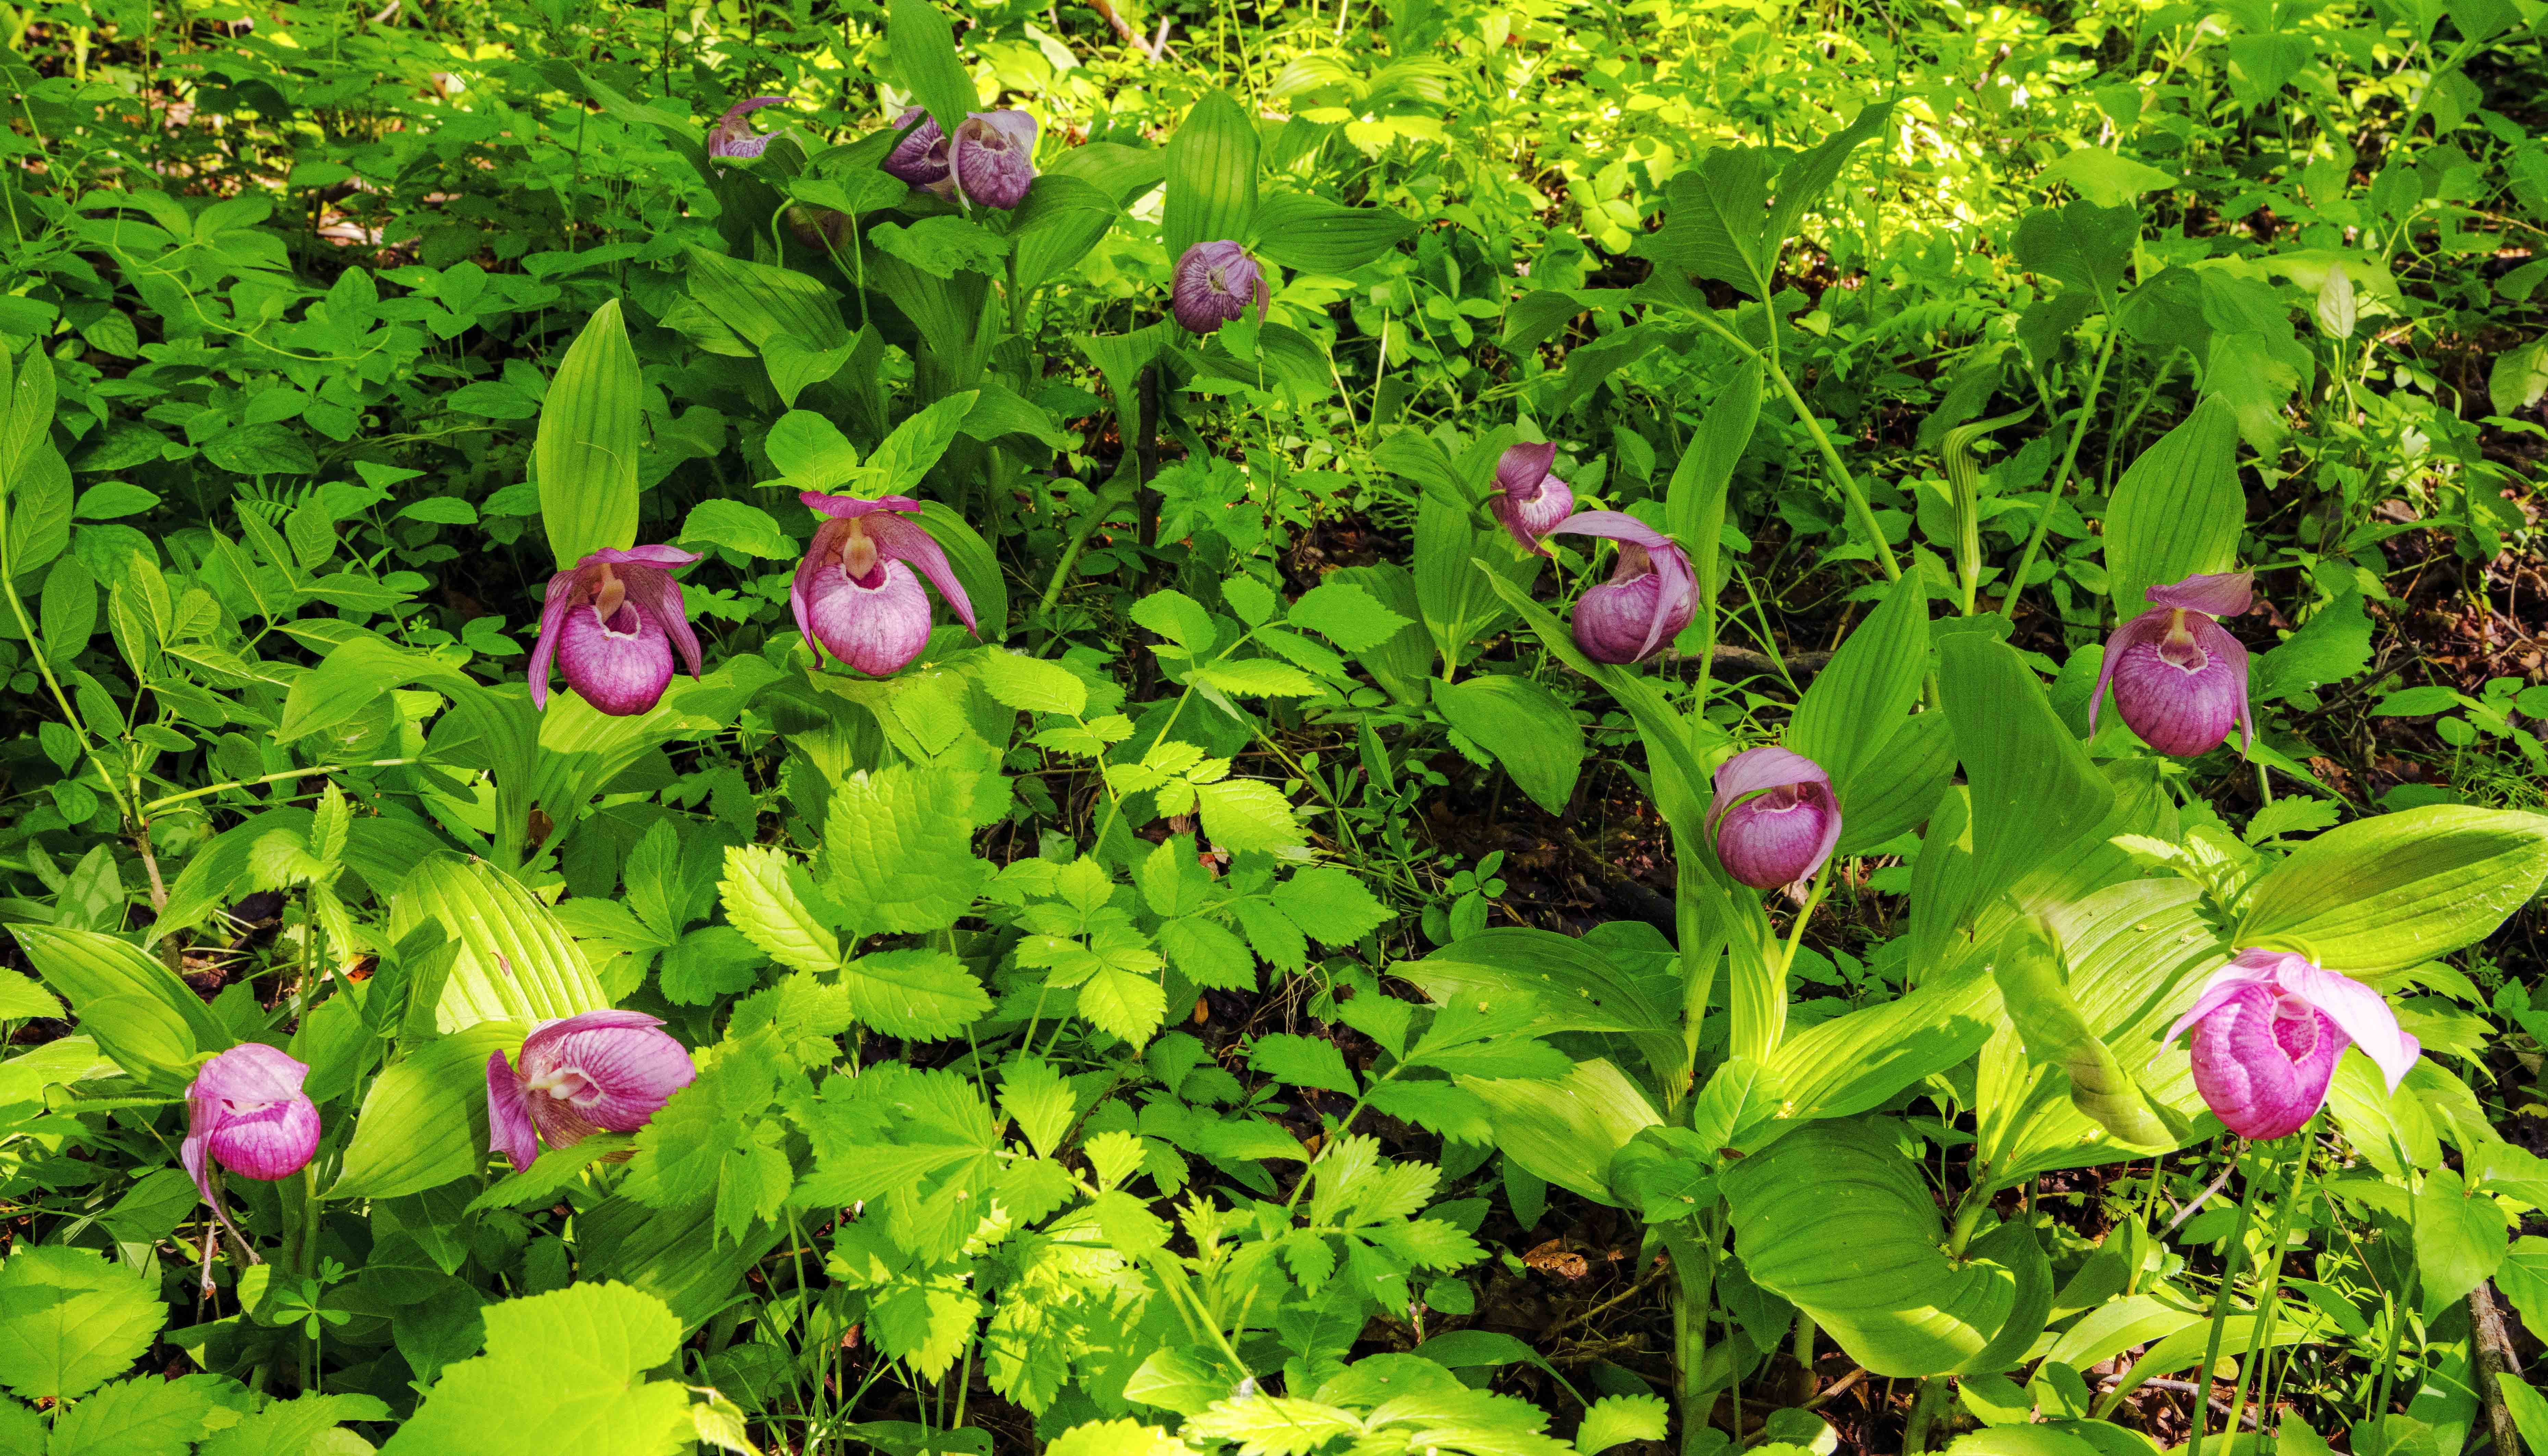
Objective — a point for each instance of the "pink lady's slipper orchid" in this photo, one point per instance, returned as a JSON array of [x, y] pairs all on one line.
[[1774, 815], [992, 157], [1651, 595], [612, 623], [602, 1072], [854, 595], [920, 157], [245, 1112], [1527, 498], [2180, 678], [732, 135], [1214, 283], [2268, 1028]]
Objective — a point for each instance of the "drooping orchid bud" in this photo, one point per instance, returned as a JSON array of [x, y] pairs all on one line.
[[1527, 498], [732, 135], [245, 1112], [2268, 1028], [1651, 595], [601, 1071], [1774, 815], [920, 157], [2180, 678], [612, 623], [855, 593], [992, 157], [826, 228], [1213, 284]]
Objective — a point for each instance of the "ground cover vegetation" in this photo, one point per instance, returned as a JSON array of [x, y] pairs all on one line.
[[1450, 726]]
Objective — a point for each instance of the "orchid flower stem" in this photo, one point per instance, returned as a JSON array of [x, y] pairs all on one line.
[[1806, 912], [2231, 1255], [2268, 1293]]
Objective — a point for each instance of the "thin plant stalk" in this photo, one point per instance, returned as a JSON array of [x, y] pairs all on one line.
[[2232, 1255]]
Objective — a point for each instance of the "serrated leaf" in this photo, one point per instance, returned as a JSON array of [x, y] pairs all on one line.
[[898, 850], [1206, 953], [918, 994], [1032, 684], [1123, 1003], [69, 1318], [1346, 615], [766, 908], [1303, 1062], [1329, 904], [563, 1371], [1242, 814], [1258, 676], [1616, 1419]]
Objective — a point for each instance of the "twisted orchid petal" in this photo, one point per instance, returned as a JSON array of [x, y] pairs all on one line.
[[2221, 595]]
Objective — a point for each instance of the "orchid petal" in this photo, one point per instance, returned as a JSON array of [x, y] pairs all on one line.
[[846, 508], [508, 1117], [901, 540], [1616, 526], [2149, 626], [659, 597], [2217, 594], [2360, 1012], [562, 593], [732, 135]]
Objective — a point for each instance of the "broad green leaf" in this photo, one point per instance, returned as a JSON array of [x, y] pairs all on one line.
[[517, 963], [151, 1022], [69, 1318], [1572, 985], [1057, 227], [1809, 175], [423, 1121], [2385, 893], [923, 51], [1899, 783], [146, 1416], [587, 449], [1695, 500], [2033, 790], [2178, 509], [762, 901], [1568, 1131], [2105, 178], [562, 1370], [1315, 236], [1347, 614], [1242, 814], [2037, 993], [1835, 1219], [1861, 696], [738, 527], [1032, 684], [2080, 244], [1212, 175], [917, 994], [1715, 219], [1524, 726], [898, 850], [2460, 1240]]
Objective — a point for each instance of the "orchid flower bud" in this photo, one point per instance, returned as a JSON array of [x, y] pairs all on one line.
[[855, 593], [612, 623], [822, 228], [1651, 595], [1527, 498], [245, 1112], [1214, 283], [1774, 815], [602, 1072], [732, 135], [2268, 1028], [920, 157], [992, 157], [2180, 678]]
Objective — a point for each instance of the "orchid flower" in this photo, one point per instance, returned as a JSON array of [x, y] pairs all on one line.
[[1651, 595], [855, 593], [2268, 1028], [245, 1112], [1528, 499], [1213, 284], [612, 622], [1774, 815], [732, 135], [2180, 678], [992, 157], [600, 1071], [920, 157]]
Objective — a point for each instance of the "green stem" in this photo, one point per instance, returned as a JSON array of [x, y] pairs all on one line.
[[2061, 479], [2232, 1254], [2269, 1291]]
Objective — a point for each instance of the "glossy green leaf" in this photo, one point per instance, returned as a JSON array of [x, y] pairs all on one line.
[[2385, 893], [587, 449], [1835, 1219], [517, 964], [923, 51], [1568, 1131], [2037, 992], [423, 1123], [1315, 236], [151, 1021], [2178, 509], [1212, 175], [1524, 726], [1861, 697]]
